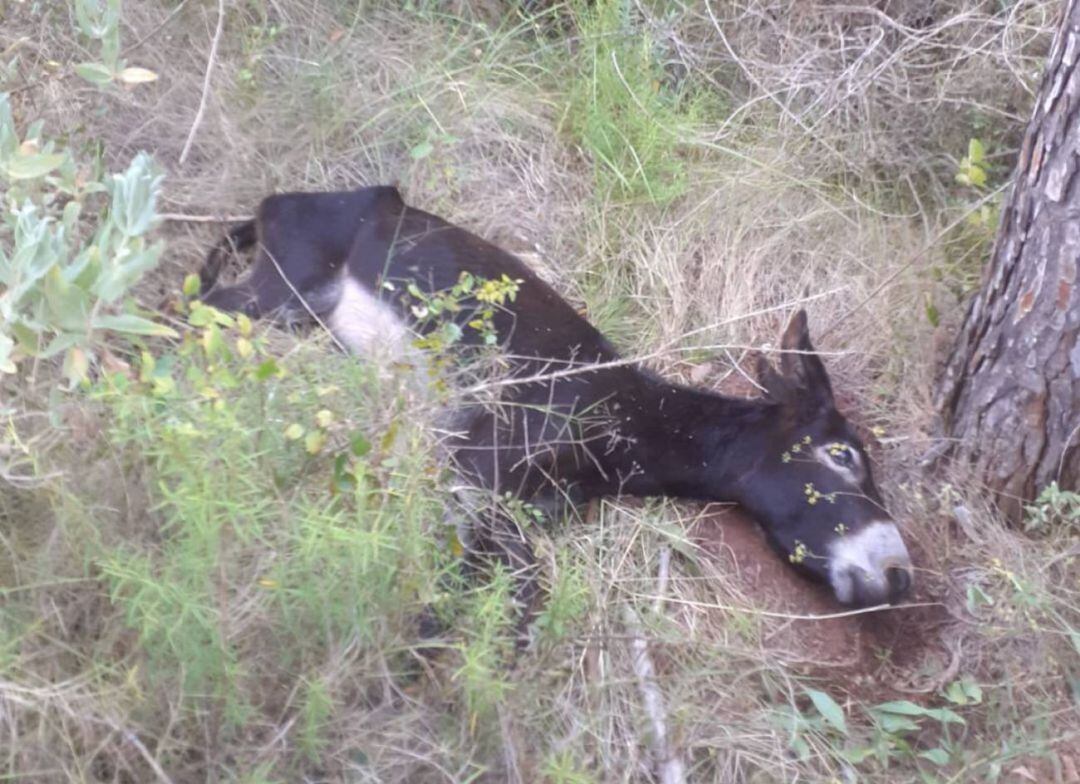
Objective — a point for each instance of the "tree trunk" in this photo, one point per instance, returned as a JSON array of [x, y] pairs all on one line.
[[1010, 395]]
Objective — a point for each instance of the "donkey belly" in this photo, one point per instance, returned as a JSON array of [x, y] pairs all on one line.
[[365, 324]]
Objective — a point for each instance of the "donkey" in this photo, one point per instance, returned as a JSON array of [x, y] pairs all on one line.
[[575, 421]]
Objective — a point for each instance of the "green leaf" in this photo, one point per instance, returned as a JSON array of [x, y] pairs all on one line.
[[855, 756], [938, 756], [800, 747], [133, 325], [359, 444], [902, 707], [314, 442], [69, 305], [945, 716], [932, 314], [954, 693], [191, 285], [976, 152], [977, 175], [964, 692], [828, 708], [213, 343], [134, 196], [422, 150], [451, 333], [344, 481], [95, 73], [202, 315], [893, 724], [294, 431], [60, 343], [977, 596], [29, 167], [266, 369], [6, 347]]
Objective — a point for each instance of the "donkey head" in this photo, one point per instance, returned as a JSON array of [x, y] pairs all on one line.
[[812, 489]]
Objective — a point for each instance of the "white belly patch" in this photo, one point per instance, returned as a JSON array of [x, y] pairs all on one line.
[[366, 325]]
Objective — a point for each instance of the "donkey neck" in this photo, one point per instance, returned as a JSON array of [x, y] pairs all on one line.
[[686, 442]]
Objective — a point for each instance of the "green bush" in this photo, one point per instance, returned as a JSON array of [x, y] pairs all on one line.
[[67, 257], [283, 530]]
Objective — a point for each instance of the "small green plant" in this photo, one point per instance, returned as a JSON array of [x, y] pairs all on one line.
[[971, 170], [483, 653], [99, 20], [967, 245], [1054, 508], [900, 729], [478, 298], [563, 768], [60, 293], [567, 600], [257, 39], [826, 719]]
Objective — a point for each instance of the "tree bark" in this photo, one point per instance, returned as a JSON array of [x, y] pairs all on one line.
[[1010, 396]]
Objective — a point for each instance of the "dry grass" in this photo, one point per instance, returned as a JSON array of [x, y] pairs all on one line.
[[814, 149]]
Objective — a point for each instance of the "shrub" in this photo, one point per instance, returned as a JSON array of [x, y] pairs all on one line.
[[68, 258]]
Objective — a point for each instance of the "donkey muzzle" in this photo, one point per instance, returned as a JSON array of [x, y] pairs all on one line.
[[870, 566]]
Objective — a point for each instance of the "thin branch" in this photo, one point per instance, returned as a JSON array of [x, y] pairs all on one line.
[[181, 217], [669, 766], [206, 83], [172, 15]]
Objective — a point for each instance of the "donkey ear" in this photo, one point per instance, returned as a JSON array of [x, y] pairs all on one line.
[[777, 388], [801, 366]]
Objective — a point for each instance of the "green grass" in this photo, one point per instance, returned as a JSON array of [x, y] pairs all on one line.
[[624, 110]]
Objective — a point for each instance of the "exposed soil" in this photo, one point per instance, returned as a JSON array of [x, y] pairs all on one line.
[[871, 655]]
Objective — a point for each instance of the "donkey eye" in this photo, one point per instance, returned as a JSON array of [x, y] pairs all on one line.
[[842, 455]]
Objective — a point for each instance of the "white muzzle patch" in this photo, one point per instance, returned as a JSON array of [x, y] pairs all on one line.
[[859, 563]]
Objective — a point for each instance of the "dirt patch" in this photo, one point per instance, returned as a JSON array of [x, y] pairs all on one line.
[[872, 655]]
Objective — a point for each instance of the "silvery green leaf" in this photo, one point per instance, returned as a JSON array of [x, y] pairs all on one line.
[[9, 140], [95, 73], [6, 346], [133, 325], [61, 342], [69, 305], [134, 196]]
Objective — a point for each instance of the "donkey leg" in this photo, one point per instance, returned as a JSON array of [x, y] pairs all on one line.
[[239, 238]]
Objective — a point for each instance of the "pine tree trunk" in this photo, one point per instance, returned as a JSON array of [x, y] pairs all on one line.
[[1010, 395]]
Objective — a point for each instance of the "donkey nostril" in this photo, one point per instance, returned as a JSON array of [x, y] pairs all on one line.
[[899, 581]]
